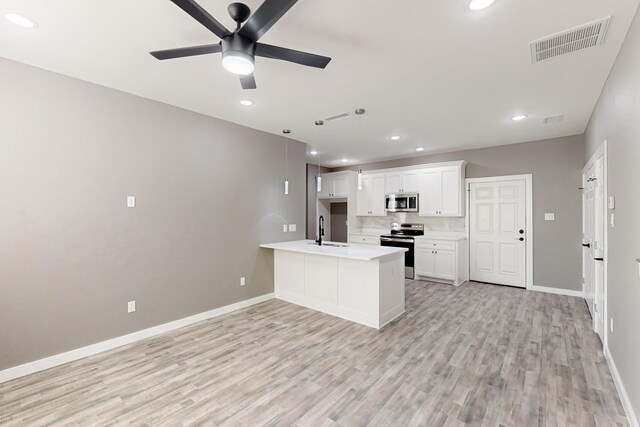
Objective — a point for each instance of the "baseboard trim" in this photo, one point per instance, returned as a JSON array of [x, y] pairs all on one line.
[[90, 350], [622, 392], [557, 291]]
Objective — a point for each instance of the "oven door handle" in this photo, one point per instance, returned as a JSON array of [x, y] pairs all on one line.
[[387, 239]]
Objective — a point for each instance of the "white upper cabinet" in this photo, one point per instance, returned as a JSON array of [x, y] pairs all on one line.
[[340, 186], [334, 185], [370, 200], [441, 191], [402, 182]]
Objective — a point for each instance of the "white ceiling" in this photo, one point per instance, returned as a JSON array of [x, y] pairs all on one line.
[[441, 76]]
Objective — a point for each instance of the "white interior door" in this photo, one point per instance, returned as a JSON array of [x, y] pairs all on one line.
[[497, 232], [587, 239], [593, 215]]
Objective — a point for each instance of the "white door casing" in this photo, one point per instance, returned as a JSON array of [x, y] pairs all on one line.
[[498, 231]]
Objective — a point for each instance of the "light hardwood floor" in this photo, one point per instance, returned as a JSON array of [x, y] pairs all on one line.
[[477, 355]]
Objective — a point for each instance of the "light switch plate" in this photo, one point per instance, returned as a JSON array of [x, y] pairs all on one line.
[[292, 228], [612, 202], [612, 221], [131, 201], [549, 217], [284, 228]]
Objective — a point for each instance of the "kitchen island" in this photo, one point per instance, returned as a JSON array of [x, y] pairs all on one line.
[[360, 283]]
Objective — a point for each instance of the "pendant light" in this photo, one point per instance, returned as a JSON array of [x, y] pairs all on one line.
[[318, 177], [359, 112], [286, 133]]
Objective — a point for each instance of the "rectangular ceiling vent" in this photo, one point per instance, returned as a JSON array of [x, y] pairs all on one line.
[[553, 119], [337, 117], [569, 41]]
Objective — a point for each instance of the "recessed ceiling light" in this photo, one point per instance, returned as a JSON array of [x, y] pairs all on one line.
[[19, 20], [313, 153], [419, 149], [518, 118], [395, 137], [480, 4], [345, 160], [246, 102]]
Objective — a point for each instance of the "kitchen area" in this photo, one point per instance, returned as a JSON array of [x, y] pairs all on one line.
[[420, 208], [391, 225]]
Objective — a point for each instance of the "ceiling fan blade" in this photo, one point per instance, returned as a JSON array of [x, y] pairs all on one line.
[[267, 14], [248, 82], [202, 16], [181, 52], [302, 58]]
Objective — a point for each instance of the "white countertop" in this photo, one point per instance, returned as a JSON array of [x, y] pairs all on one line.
[[351, 251]]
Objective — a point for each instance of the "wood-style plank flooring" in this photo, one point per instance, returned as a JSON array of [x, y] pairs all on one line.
[[477, 355]]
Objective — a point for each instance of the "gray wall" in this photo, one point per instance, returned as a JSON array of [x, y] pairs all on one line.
[[71, 253], [616, 118], [556, 165]]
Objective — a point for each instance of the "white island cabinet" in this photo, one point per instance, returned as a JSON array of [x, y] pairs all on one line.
[[360, 283]]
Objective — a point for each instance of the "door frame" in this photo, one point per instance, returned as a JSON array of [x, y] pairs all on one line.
[[528, 178], [603, 151]]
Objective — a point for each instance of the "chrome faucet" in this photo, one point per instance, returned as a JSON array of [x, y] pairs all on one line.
[[320, 230]]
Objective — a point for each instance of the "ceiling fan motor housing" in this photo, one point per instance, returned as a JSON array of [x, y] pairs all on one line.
[[236, 43]]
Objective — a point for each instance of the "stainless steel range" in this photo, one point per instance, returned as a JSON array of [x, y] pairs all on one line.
[[402, 236]]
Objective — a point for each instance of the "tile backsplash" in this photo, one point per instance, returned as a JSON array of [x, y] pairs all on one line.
[[430, 223]]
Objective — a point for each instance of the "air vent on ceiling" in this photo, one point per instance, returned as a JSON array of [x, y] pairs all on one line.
[[337, 117], [572, 40], [553, 119]]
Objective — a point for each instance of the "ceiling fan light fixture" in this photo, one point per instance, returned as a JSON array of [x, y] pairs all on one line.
[[480, 4], [239, 63]]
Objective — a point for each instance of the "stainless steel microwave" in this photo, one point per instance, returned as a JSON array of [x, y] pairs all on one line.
[[405, 202]]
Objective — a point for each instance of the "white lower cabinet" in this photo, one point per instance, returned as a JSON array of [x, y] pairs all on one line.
[[445, 260]]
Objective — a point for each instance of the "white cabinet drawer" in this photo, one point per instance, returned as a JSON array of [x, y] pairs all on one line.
[[364, 239], [436, 244]]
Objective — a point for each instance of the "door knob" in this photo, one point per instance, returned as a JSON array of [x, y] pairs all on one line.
[[521, 231], [520, 238]]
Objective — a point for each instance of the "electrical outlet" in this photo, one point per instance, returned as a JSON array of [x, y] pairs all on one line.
[[242, 281], [292, 227], [131, 201], [131, 306], [284, 228], [611, 325], [549, 217]]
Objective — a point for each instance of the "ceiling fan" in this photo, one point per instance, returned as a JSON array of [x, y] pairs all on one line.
[[240, 47]]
